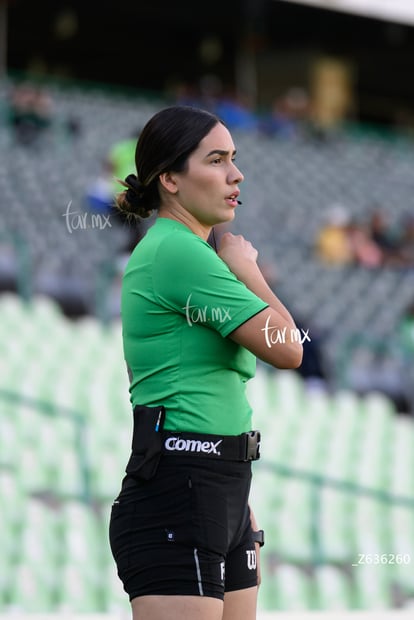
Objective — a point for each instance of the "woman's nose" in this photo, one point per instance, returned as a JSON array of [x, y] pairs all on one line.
[[236, 175]]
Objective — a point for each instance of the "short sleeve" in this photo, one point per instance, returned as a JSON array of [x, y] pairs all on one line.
[[191, 279]]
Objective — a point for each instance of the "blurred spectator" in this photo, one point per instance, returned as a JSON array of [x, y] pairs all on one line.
[[30, 113], [364, 249], [345, 241], [183, 93], [210, 87], [100, 193], [236, 113], [73, 127], [371, 370], [121, 158], [407, 241], [119, 163], [333, 245], [313, 368], [8, 266], [406, 333], [385, 237], [405, 337], [287, 115]]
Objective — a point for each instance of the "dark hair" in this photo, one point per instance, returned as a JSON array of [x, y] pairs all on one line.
[[165, 144]]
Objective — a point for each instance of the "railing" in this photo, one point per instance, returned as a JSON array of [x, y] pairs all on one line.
[[78, 419], [396, 351], [23, 263], [318, 482]]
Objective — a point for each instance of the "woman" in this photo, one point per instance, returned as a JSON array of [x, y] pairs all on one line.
[[181, 530]]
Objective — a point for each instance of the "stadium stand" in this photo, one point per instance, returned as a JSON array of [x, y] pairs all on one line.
[[334, 490], [51, 245]]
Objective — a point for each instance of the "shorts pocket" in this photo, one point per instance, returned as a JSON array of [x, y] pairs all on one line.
[[209, 513], [121, 518]]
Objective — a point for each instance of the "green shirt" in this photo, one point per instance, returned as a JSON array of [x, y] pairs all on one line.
[[179, 303]]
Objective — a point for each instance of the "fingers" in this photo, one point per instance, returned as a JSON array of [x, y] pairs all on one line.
[[236, 245]]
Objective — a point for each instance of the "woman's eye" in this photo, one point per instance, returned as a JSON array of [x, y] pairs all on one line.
[[217, 160]]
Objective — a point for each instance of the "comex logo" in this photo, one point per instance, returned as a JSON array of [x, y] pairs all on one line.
[[192, 445]]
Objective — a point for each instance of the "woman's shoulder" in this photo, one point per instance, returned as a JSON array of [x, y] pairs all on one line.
[[173, 238], [168, 245]]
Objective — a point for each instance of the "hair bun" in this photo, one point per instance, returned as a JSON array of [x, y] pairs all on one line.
[[134, 192], [134, 184], [134, 200]]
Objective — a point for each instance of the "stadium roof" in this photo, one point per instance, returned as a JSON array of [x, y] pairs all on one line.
[[401, 11]]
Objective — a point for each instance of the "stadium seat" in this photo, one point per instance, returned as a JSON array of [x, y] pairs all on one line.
[[293, 590], [373, 590], [333, 590]]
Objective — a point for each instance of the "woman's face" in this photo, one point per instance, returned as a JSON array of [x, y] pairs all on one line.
[[208, 188]]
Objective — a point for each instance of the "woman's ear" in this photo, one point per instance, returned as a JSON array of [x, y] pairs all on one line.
[[169, 182]]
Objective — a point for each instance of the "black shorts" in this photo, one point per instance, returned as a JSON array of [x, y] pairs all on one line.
[[186, 531]]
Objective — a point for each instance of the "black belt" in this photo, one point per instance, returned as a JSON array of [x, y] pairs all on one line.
[[244, 447]]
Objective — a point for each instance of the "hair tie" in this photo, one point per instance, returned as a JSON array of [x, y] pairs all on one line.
[[134, 191], [134, 184], [134, 196]]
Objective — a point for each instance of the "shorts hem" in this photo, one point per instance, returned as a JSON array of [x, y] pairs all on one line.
[[241, 586], [218, 595]]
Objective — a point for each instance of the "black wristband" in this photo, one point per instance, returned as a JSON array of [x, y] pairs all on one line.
[[258, 537]]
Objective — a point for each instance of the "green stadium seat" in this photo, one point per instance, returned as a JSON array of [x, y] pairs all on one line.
[[265, 502], [9, 436], [401, 461], [267, 595], [402, 547], [335, 525], [333, 589], [293, 590], [77, 592], [115, 598], [69, 475], [106, 475], [81, 531], [373, 587], [32, 471], [293, 524], [30, 591]]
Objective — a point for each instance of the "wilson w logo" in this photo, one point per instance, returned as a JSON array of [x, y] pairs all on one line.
[[251, 559]]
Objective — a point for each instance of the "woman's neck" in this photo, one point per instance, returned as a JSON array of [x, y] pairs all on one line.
[[184, 217]]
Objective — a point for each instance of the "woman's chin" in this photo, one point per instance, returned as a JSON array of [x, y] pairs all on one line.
[[227, 217]]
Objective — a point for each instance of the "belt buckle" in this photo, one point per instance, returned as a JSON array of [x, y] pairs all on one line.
[[252, 446]]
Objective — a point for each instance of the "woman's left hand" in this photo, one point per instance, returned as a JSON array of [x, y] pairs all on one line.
[[255, 527]]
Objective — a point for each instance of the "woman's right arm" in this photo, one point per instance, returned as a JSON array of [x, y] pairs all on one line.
[[271, 334]]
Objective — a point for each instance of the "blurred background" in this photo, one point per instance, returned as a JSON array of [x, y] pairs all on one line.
[[319, 97]]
